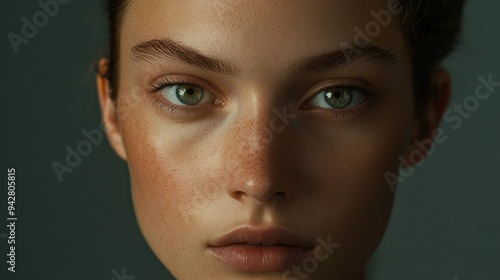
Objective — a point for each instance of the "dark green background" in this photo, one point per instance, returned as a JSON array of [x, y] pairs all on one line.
[[446, 221]]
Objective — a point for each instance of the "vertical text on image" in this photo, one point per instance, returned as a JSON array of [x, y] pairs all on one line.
[[11, 219]]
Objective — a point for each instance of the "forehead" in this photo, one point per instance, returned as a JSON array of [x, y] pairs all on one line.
[[271, 30]]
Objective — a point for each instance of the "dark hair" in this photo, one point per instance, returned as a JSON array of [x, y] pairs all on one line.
[[431, 30], [116, 11]]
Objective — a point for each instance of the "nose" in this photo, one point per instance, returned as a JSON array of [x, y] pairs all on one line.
[[259, 165]]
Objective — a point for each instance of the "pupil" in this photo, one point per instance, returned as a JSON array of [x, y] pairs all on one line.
[[190, 91], [336, 94]]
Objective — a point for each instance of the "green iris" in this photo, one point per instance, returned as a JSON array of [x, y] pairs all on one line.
[[338, 98], [189, 95]]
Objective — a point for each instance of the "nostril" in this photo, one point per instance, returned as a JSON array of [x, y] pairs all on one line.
[[281, 193], [238, 195]]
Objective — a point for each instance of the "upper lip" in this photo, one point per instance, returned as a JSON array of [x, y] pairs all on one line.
[[271, 235]]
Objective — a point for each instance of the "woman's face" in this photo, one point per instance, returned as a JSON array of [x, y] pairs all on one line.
[[257, 113]]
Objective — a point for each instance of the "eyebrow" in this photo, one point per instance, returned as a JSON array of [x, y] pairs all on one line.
[[348, 54], [171, 50]]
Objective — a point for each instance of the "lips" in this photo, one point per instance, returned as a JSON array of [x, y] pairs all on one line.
[[255, 249]]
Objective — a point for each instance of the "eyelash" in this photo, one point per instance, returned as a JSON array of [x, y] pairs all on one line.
[[168, 82], [348, 84], [165, 82]]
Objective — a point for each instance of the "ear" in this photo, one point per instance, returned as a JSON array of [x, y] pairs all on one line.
[[108, 110], [427, 121]]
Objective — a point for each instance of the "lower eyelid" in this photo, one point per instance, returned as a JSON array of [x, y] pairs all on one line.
[[345, 113], [171, 109], [341, 113]]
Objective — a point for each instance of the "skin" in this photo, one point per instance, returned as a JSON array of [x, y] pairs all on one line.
[[199, 175]]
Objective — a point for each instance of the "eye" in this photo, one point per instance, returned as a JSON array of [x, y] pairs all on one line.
[[186, 94], [339, 98]]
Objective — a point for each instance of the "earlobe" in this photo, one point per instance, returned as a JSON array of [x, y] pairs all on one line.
[[428, 120], [108, 109]]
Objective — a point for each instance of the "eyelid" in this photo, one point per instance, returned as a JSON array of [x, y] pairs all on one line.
[[324, 85], [343, 82], [171, 80]]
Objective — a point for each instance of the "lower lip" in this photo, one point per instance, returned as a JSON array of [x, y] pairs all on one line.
[[251, 258]]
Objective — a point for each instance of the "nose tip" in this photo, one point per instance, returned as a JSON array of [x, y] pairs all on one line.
[[259, 170]]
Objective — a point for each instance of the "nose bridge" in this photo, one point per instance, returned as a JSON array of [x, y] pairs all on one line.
[[262, 120], [255, 150], [256, 162]]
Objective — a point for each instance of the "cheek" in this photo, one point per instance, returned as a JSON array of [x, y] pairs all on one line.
[[157, 190], [166, 197], [354, 158], [347, 173], [164, 182], [346, 167], [161, 176]]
